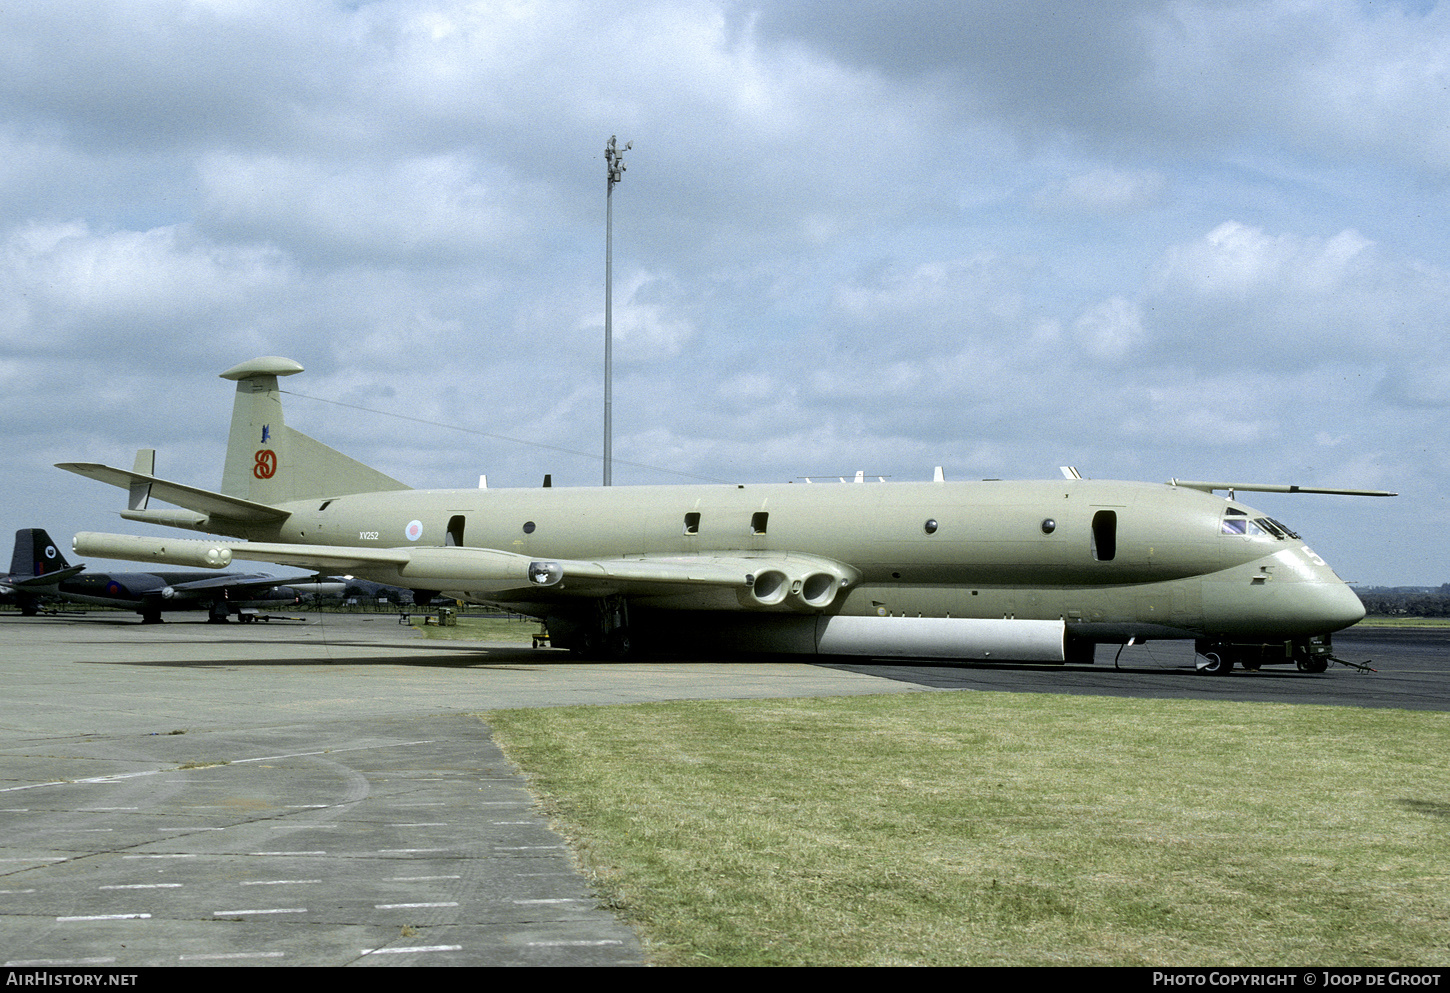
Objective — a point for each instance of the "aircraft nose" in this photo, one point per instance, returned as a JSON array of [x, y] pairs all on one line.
[[1338, 606]]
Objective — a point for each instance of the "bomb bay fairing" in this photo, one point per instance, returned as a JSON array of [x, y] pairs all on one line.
[[1036, 571]]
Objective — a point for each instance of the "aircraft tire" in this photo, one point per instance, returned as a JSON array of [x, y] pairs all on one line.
[[585, 646], [619, 646], [1312, 664], [1215, 664]]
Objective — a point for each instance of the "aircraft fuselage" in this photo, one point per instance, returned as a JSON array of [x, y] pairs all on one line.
[[1113, 560]]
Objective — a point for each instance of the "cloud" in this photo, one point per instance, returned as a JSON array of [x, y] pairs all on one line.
[[1103, 192], [1151, 238], [432, 209], [74, 288], [1113, 330]]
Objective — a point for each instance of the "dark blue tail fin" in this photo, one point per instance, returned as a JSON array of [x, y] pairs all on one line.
[[35, 554]]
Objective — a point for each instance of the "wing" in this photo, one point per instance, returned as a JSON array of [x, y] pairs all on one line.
[[232, 583], [727, 579]]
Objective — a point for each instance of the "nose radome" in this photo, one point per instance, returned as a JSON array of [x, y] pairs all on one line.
[[1338, 606]]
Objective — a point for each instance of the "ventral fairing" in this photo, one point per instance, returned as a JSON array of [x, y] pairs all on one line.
[[1035, 571]]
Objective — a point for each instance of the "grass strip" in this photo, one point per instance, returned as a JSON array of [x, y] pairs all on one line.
[[508, 629], [1005, 829]]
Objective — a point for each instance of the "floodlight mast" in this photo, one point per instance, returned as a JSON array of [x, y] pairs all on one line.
[[614, 171]]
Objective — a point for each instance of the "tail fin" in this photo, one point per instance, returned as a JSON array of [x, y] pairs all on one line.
[[35, 554], [270, 463]]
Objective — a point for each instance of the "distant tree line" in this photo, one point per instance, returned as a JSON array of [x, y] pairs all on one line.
[[1406, 601]]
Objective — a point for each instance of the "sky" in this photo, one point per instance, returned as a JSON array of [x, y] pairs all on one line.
[[1195, 239]]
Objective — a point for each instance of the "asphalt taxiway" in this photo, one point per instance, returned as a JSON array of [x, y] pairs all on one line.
[[1411, 671], [322, 793], [317, 793]]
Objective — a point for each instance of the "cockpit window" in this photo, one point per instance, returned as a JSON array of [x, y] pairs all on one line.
[[1281, 527], [1236, 522], [1268, 525]]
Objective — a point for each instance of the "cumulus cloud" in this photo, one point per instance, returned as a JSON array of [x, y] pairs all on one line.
[[1163, 237]]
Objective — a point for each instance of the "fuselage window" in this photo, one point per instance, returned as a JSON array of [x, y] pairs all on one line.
[[1105, 535], [758, 521], [692, 523]]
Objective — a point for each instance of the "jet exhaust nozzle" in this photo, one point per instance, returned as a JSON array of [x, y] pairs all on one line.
[[812, 588]]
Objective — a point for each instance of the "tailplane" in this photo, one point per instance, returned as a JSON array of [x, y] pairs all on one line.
[[268, 462]]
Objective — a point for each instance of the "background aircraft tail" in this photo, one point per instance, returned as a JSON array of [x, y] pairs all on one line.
[[35, 554], [268, 462]]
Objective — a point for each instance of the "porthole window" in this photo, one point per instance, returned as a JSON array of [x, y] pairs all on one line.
[[930, 526], [1049, 526], [528, 527]]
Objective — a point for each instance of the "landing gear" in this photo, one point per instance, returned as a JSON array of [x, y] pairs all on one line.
[[1216, 658], [601, 634]]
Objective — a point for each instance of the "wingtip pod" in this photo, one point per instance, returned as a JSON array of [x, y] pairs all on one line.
[[172, 551]]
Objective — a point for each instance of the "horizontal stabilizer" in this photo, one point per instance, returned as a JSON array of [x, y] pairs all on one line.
[[192, 498], [188, 519], [1274, 488], [33, 584]]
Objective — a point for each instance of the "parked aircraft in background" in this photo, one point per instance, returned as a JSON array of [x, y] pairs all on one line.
[[39, 572], [993, 570], [36, 571]]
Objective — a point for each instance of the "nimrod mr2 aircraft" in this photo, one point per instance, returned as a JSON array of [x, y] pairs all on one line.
[[994, 570]]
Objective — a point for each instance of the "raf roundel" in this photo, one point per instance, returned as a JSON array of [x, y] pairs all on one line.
[[414, 530]]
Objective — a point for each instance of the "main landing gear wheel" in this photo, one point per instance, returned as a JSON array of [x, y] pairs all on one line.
[[1214, 664]]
